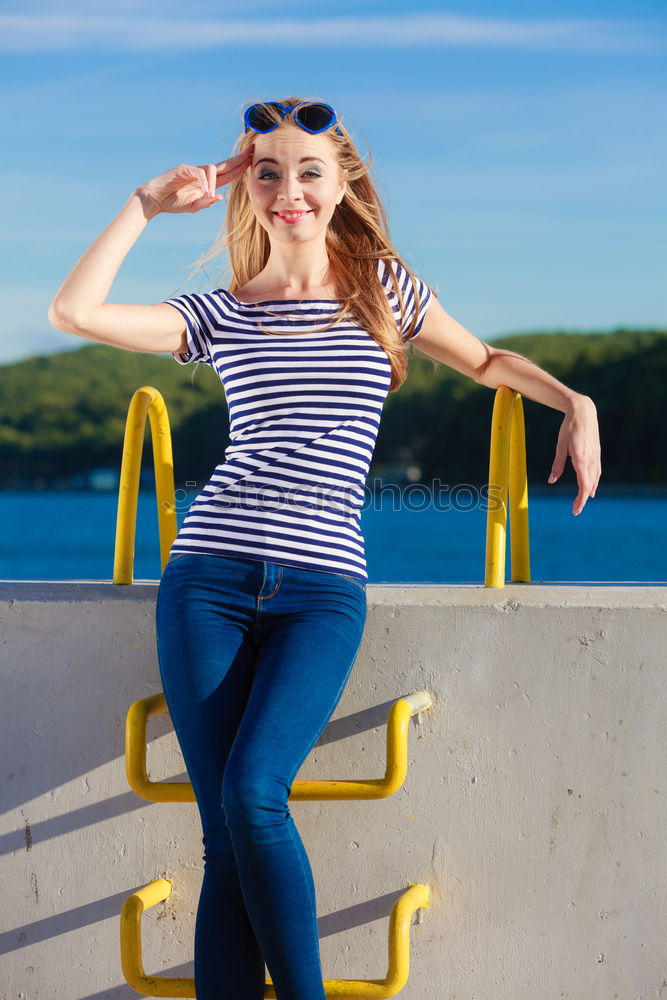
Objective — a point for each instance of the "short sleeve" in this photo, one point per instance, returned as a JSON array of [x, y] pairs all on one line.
[[411, 304], [199, 314]]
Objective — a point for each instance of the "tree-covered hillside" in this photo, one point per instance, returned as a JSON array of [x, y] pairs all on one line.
[[64, 414]]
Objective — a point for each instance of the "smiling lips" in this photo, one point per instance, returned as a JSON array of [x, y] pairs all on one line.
[[292, 217]]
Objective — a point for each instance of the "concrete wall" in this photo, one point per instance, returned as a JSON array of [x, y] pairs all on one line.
[[535, 805]]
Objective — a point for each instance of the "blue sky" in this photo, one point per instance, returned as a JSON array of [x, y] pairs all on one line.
[[520, 148]]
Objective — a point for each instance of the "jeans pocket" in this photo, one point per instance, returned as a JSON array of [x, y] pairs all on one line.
[[177, 555], [361, 584]]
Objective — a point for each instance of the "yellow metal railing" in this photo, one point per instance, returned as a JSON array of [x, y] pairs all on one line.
[[146, 401], [415, 898], [507, 473], [366, 788]]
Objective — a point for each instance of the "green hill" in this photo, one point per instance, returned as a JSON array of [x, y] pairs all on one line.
[[63, 415]]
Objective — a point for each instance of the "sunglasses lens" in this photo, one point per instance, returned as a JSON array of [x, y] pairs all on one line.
[[315, 117], [259, 118]]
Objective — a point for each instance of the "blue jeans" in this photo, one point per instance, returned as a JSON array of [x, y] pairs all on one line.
[[254, 657]]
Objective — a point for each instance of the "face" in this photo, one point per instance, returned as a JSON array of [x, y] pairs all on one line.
[[294, 183]]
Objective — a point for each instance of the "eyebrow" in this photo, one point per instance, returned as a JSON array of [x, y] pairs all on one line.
[[267, 159]]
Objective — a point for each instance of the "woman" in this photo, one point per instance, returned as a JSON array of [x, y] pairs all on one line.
[[262, 605]]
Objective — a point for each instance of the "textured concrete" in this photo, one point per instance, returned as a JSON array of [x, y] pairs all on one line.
[[535, 804]]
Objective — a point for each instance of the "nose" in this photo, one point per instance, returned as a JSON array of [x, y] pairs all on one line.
[[290, 189]]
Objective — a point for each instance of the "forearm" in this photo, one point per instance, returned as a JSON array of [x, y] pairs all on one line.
[[88, 284], [525, 377]]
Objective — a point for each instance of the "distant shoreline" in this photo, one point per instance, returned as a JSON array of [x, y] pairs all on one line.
[[534, 489]]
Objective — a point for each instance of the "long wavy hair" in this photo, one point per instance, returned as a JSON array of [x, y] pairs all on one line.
[[357, 237]]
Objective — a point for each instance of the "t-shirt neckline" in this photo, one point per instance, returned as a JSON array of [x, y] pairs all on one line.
[[268, 302]]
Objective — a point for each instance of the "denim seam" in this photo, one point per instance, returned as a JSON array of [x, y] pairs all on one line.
[[265, 597], [353, 579]]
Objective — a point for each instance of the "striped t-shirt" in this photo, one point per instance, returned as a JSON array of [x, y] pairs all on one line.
[[304, 412]]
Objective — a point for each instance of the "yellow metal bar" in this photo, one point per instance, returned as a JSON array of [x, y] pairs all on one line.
[[518, 497], [146, 401], [369, 788], [507, 475], [415, 898], [130, 944]]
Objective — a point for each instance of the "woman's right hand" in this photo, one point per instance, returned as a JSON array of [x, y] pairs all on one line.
[[187, 188]]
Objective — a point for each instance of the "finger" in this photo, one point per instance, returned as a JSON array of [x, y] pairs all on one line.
[[593, 476], [245, 154], [199, 202], [586, 491], [203, 181], [211, 176], [206, 179], [556, 468], [580, 498], [213, 182], [197, 175], [231, 174], [235, 164], [579, 503]]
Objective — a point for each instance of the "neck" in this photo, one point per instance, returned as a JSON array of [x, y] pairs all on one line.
[[297, 268]]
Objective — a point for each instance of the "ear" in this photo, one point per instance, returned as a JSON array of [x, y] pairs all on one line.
[[342, 187]]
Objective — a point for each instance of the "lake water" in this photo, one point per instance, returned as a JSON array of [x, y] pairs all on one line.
[[56, 535]]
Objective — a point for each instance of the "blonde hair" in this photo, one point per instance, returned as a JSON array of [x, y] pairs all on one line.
[[357, 237]]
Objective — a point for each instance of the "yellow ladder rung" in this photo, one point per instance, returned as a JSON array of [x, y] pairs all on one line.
[[367, 788], [415, 898]]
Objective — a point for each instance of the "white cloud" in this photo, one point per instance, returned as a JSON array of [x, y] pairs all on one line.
[[45, 31]]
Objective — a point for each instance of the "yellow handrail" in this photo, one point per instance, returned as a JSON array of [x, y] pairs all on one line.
[[366, 788], [146, 401], [415, 898], [507, 469]]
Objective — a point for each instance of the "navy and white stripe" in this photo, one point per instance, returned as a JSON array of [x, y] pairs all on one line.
[[304, 412]]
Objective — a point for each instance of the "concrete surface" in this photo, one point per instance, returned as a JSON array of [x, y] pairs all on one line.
[[534, 808]]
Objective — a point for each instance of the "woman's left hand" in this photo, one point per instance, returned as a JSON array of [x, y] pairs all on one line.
[[579, 437]]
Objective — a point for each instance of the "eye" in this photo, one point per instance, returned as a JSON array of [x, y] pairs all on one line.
[[266, 174]]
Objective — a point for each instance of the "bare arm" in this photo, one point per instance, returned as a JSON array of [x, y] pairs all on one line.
[[80, 305], [444, 339]]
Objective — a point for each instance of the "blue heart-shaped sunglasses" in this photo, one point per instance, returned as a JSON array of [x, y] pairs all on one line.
[[310, 116]]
